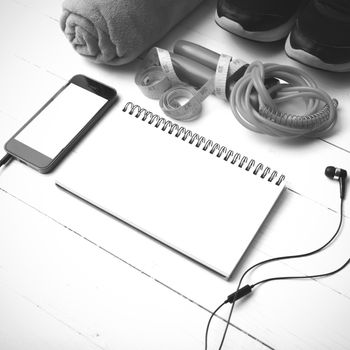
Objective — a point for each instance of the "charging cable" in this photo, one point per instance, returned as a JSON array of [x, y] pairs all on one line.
[[5, 159]]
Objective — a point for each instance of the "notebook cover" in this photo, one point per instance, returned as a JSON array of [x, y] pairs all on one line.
[[188, 198]]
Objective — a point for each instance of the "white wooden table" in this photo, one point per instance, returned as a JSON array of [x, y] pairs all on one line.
[[74, 278]]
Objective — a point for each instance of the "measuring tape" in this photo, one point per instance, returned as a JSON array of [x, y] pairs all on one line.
[[157, 80], [255, 93]]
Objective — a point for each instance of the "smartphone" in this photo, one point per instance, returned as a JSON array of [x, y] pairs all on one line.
[[57, 127]]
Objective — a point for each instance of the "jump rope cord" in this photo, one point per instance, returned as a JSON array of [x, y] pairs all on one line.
[[233, 297], [255, 106], [266, 116]]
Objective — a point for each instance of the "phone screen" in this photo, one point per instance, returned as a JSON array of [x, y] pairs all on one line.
[[61, 120]]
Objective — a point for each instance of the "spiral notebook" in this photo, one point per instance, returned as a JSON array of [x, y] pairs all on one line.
[[190, 193]]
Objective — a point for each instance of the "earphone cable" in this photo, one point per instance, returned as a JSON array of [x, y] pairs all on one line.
[[231, 311], [327, 274], [210, 319], [234, 297], [303, 255]]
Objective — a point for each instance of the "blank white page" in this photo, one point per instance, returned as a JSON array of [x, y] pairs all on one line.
[[191, 200]]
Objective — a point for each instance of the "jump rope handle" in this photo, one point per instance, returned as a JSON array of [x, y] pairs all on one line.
[[197, 53], [191, 72], [195, 65]]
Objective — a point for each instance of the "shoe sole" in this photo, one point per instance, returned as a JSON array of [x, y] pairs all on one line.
[[275, 34], [314, 61]]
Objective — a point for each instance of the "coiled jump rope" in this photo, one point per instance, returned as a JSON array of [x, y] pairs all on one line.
[[256, 92]]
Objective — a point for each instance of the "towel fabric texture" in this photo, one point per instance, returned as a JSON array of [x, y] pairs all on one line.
[[117, 31]]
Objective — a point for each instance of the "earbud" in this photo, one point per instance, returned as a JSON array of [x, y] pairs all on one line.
[[338, 174]]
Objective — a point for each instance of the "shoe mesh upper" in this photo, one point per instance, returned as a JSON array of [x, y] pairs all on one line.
[[258, 15], [272, 7], [324, 27], [340, 6], [323, 32]]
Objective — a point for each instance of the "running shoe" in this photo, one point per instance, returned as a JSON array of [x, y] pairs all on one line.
[[321, 36], [260, 20]]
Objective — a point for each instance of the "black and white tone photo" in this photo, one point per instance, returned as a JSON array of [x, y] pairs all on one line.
[[174, 174]]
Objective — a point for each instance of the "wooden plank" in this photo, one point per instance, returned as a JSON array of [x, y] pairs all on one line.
[[85, 298], [303, 162], [290, 229], [199, 27], [51, 9], [24, 92], [25, 325], [8, 126], [261, 313]]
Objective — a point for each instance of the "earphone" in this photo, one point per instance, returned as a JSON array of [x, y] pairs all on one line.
[[332, 173], [338, 174]]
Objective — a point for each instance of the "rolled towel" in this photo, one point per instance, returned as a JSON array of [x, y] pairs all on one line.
[[117, 31]]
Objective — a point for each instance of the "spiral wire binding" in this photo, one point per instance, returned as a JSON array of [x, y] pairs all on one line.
[[184, 134]]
